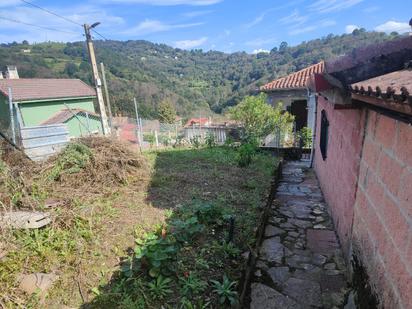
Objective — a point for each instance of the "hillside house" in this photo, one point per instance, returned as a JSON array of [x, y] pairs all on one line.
[[292, 92], [50, 101], [363, 161]]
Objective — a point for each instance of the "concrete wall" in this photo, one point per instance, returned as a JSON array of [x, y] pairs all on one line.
[[367, 182], [339, 172], [382, 229]]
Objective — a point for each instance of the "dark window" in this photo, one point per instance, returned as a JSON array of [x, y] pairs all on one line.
[[324, 134]]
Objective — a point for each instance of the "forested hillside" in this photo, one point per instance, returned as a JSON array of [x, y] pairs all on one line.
[[191, 80]]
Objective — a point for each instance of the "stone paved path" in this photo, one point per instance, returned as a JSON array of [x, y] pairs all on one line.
[[300, 263]]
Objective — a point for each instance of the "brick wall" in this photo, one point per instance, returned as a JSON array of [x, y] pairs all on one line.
[[338, 174], [382, 229]]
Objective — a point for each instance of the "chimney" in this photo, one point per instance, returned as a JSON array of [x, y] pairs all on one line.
[[11, 72]]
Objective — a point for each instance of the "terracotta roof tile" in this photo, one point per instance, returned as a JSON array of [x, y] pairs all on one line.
[[396, 86], [37, 89], [295, 80]]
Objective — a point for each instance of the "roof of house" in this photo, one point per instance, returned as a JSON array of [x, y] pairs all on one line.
[[295, 80], [396, 85], [38, 89], [66, 114], [201, 121]]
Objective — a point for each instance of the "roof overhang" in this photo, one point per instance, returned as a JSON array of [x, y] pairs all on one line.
[[363, 64], [53, 99]]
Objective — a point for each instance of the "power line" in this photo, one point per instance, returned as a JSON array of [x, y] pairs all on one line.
[[50, 12], [62, 17], [32, 25]]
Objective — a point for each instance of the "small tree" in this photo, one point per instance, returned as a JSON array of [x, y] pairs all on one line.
[[166, 112], [258, 118]]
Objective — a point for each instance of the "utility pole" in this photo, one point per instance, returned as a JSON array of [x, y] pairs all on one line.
[[106, 91], [97, 81]]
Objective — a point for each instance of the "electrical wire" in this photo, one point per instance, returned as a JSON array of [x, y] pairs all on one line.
[[52, 13], [33, 25], [62, 17]]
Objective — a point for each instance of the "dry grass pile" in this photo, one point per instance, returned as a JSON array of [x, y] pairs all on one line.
[[95, 165]]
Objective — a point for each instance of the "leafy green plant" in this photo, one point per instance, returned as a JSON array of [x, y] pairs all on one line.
[[210, 213], [74, 158], [150, 138], [195, 141], [225, 291], [306, 137], [210, 140], [185, 230], [190, 304], [192, 285], [230, 250], [245, 154], [158, 253], [159, 288]]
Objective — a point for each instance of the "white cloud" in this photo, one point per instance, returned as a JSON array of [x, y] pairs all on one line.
[[371, 9], [196, 13], [190, 44], [151, 26], [294, 19], [392, 25], [260, 50], [168, 2], [322, 24], [327, 6], [6, 3], [257, 20], [350, 28]]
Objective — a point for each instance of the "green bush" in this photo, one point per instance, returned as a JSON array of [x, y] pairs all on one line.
[[195, 141], [210, 140], [245, 154], [306, 137]]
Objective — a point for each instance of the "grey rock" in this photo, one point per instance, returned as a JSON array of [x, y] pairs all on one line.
[[350, 303], [279, 274], [319, 227], [258, 273], [262, 265], [319, 259], [305, 292], [264, 297], [271, 231], [330, 266], [272, 250], [333, 272], [293, 234], [295, 261]]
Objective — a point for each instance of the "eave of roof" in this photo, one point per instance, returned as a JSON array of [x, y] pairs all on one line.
[[53, 99], [294, 81]]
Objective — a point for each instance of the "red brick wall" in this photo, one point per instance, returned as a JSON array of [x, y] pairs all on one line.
[[382, 229], [367, 182], [338, 173]]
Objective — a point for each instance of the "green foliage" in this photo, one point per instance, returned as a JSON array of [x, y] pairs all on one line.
[[258, 118], [159, 288], [210, 213], [192, 80], [72, 160], [191, 304], [225, 290], [195, 141], [210, 140], [306, 137], [166, 112], [150, 138], [245, 154], [191, 285], [185, 230], [158, 252]]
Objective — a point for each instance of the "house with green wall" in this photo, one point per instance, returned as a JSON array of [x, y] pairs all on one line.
[[50, 101]]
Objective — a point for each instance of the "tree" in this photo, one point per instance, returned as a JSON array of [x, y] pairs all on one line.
[[70, 69], [283, 47], [166, 112], [258, 118]]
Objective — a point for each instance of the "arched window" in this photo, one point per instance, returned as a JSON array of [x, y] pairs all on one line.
[[324, 134]]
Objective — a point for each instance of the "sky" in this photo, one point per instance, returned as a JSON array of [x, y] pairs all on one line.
[[224, 25]]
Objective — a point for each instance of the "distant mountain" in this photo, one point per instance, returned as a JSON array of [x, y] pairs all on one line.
[[191, 80]]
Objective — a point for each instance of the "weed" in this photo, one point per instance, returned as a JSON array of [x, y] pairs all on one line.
[[190, 304], [159, 288], [185, 230], [195, 142], [229, 250], [225, 291], [192, 285], [245, 154], [210, 140], [74, 158]]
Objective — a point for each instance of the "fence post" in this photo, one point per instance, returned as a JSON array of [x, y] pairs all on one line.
[[156, 138]]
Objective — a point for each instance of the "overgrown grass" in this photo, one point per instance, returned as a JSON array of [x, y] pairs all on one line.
[[179, 218]]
